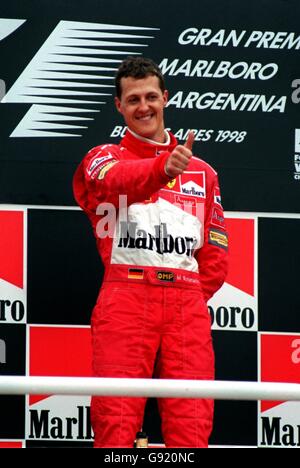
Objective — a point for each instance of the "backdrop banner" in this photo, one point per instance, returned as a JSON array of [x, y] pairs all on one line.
[[232, 70]]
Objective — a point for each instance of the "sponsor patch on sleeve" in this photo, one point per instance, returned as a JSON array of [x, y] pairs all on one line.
[[217, 196], [218, 238], [105, 169], [217, 217], [97, 163]]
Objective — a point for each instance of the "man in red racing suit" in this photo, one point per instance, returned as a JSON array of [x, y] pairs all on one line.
[[158, 221]]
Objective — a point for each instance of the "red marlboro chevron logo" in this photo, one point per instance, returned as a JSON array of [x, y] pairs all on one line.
[[241, 254], [59, 351], [11, 444], [193, 184], [280, 361], [11, 247]]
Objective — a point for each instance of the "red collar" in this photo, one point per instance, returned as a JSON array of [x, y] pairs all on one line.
[[146, 149]]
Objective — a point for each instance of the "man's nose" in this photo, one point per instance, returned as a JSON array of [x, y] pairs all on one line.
[[143, 105]]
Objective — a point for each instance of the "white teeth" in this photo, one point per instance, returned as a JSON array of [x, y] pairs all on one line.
[[145, 117]]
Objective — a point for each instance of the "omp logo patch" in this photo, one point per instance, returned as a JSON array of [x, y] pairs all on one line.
[[218, 238], [165, 276], [65, 80]]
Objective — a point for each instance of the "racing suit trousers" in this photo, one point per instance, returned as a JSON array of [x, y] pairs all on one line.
[[135, 326]]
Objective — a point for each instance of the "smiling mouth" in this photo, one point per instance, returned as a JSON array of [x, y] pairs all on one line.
[[145, 118]]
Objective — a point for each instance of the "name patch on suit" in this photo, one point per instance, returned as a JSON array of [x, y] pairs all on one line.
[[218, 238]]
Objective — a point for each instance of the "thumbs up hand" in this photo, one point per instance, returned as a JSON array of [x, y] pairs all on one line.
[[180, 157], [190, 141]]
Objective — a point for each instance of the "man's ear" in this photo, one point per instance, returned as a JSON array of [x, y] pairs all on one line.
[[118, 104], [166, 97]]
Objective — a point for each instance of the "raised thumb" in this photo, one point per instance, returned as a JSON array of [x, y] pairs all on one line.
[[189, 141]]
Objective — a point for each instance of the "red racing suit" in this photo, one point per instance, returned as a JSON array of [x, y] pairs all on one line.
[[164, 249]]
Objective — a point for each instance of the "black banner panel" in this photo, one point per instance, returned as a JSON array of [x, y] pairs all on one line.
[[66, 236], [232, 72], [279, 282]]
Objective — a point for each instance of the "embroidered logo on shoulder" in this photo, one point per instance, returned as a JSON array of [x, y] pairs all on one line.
[[97, 162], [105, 169], [217, 196], [218, 238], [217, 217]]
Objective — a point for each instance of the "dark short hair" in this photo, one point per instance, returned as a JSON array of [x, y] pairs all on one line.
[[138, 67]]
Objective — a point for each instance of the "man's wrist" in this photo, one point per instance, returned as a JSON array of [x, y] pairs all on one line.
[[166, 171]]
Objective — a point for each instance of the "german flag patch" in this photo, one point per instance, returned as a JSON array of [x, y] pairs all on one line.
[[135, 273]]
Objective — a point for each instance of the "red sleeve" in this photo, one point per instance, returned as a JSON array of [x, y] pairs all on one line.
[[213, 256], [102, 176]]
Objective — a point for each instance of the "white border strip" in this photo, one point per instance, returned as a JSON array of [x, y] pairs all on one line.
[[228, 214], [222, 390]]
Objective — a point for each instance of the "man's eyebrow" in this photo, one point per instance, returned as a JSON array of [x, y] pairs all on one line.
[[137, 95]]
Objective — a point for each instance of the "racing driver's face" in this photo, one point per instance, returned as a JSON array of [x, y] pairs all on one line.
[[142, 105]]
